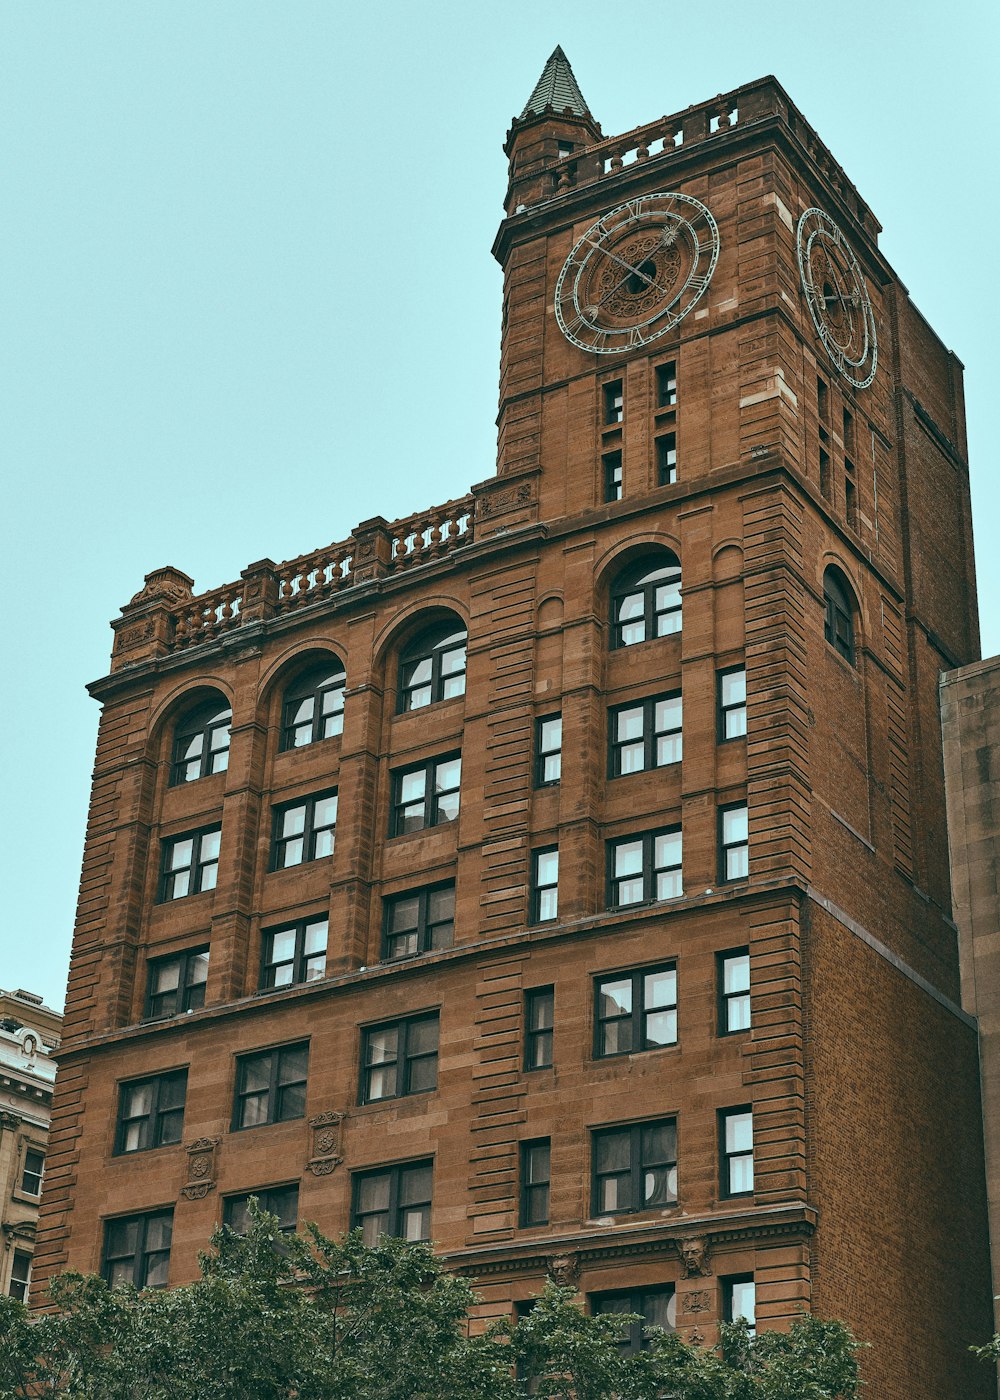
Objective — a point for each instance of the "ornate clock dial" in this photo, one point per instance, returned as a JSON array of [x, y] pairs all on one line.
[[636, 273], [837, 297]]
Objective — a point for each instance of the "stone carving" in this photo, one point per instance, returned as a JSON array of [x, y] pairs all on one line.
[[698, 1301], [130, 637], [201, 1168], [564, 1269], [166, 585], [694, 1256], [327, 1138], [197, 1190], [500, 500], [695, 1337]]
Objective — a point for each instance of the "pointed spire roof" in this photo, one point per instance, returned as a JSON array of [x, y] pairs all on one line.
[[556, 88]]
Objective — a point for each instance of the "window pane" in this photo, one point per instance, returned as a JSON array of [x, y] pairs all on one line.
[[547, 867], [292, 1064], [209, 877], [616, 998], [660, 988], [412, 786], [736, 973], [550, 734], [283, 945], [630, 608], [735, 826], [668, 714], [293, 820], [179, 854], [137, 1100], [659, 1142], [628, 858], [659, 1186], [323, 844], [291, 852], [628, 724], [738, 1013], [668, 885], [315, 937], [735, 723], [165, 976], [661, 1029], [383, 1045], [734, 688], [739, 1132], [737, 863], [743, 1300], [667, 849], [740, 1174], [373, 1194], [326, 811], [660, 1310], [197, 972], [448, 775], [415, 1185], [613, 1151]]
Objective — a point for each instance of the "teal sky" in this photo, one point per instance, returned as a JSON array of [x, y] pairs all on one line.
[[247, 298]]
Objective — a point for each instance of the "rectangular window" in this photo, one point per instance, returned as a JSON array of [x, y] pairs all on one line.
[[824, 472], [736, 1151], [304, 830], [544, 885], [548, 750], [539, 1019], [645, 734], [614, 402], [31, 1174], [282, 1201], [739, 1299], [644, 868], [271, 1086], [666, 385], [176, 984], [20, 1275], [295, 953], [850, 499], [151, 1112], [666, 459], [734, 838], [399, 1058], [613, 477], [635, 1011], [535, 1183], [635, 1168], [393, 1201], [190, 863], [137, 1249], [656, 1307], [420, 921], [848, 433], [822, 401], [734, 991], [732, 703], [426, 795]]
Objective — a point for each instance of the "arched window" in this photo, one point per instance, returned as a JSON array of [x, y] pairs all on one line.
[[838, 626], [201, 742], [432, 667], [313, 708], [646, 601]]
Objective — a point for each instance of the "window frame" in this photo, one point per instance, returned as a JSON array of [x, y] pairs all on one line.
[[141, 1256], [723, 711], [726, 849], [187, 959], [310, 831], [394, 1171], [727, 1158], [666, 459], [197, 867], [542, 753], [650, 734], [241, 1095], [314, 684], [613, 402], [839, 607], [19, 1285], [431, 798], [639, 1014], [424, 928], [428, 645], [666, 384], [205, 719], [635, 580], [612, 477], [724, 998], [539, 891], [151, 1123], [404, 1060], [649, 871], [531, 1189], [268, 1197], [636, 1167], [729, 1284], [535, 997], [635, 1342], [31, 1151], [299, 958]]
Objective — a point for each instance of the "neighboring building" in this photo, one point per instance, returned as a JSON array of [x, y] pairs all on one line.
[[680, 1026], [29, 1031], [970, 713]]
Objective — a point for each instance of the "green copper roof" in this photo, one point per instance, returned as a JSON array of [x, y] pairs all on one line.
[[556, 88]]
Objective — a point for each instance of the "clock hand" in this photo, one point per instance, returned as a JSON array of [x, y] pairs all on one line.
[[627, 265]]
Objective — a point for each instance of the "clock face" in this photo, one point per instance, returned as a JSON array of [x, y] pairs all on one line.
[[636, 273], [838, 297]]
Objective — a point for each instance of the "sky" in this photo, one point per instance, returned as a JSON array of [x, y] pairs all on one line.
[[247, 298]]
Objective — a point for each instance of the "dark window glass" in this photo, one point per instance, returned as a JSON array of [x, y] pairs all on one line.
[[850, 499], [732, 703], [635, 1010], [666, 459], [137, 1249], [282, 1201], [420, 921], [544, 885], [432, 668], [822, 401], [645, 868], [535, 1183], [151, 1112], [271, 1086], [20, 1276], [635, 1168], [314, 706], [539, 1019], [426, 795], [393, 1201], [736, 1151], [838, 625], [614, 402], [190, 863], [201, 743], [655, 1307], [645, 734], [734, 991], [304, 830], [295, 953], [399, 1058], [848, 433], [612, 463], [824, 472], [31, 1174], [734, 839], [646, 602], [548, 750], [739, 1299], [666, 385], [176, 984]]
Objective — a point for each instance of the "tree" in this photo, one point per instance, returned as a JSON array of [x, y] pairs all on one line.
[[305, 1317]]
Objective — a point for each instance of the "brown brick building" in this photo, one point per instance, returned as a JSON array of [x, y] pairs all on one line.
[[602, 965]]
